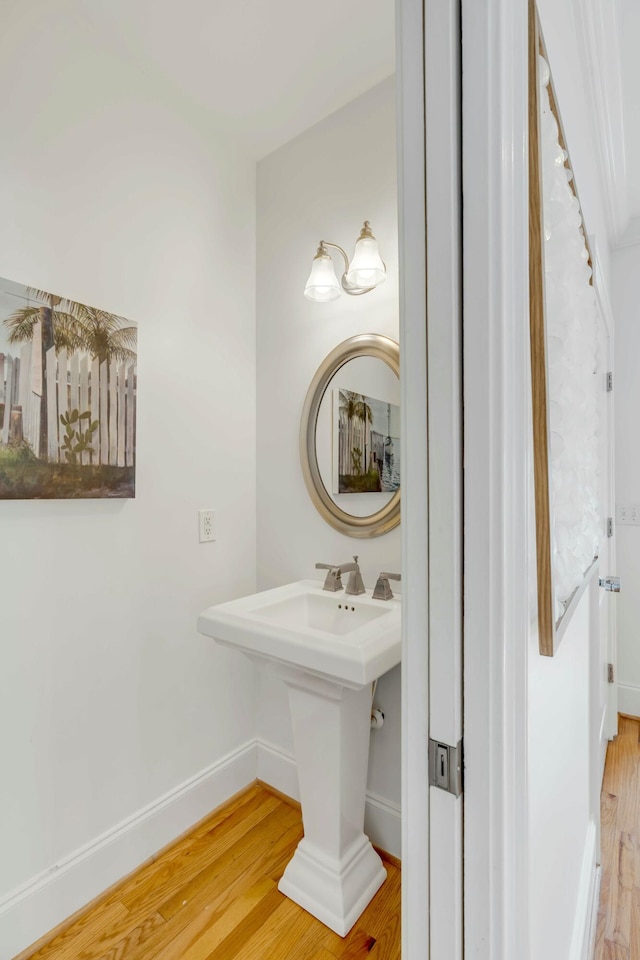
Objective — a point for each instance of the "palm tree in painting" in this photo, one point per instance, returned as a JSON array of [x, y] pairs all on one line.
[[355, 407], [365, 415], [349, 404], [68, 325], [73, 326]]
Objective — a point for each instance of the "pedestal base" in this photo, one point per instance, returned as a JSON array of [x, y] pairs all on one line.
[[335, 871], [334, 891]]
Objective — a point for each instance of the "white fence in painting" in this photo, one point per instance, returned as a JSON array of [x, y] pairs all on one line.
[[76, 382], [354, 435]]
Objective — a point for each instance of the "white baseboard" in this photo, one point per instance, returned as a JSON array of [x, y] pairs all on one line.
[[587, 903], [30, 911], [629, 699], [278, 769], [593, 924], [382, 818], [383, 823]]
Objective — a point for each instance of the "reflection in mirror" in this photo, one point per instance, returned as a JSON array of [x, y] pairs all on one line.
[[358, 436]]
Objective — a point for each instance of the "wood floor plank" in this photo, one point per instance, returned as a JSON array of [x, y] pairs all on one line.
[[245, 912], [78, 940], [383, 908], [275, 937], [214, 896], [311, 941], [115, 946], [166, 874], [179, 865], [112, 894], [358, 944], [613, 951], [621, 921], [245, 851], [387, 946], [634, 945], [205, 908], [618, 927]]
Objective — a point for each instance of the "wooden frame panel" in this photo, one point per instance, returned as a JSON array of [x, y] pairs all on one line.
[[539, 393]]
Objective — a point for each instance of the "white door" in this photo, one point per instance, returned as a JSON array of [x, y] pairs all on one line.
[[430, 334]]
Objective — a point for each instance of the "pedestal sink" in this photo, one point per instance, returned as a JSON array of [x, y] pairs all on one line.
[[328, 648]]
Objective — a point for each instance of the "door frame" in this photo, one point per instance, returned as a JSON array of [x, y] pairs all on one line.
[[429, 83], [498, 540], [498, 473], [415, 534]]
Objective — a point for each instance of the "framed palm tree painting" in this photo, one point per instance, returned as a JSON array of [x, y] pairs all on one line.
[[68, 393], [367, 444]]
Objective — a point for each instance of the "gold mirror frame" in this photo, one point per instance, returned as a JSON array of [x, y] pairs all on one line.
[[375, 524]]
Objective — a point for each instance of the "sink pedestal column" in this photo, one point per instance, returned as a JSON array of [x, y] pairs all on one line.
[[335, 871]]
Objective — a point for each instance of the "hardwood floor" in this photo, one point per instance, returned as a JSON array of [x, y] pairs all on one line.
[[214, 896], [618, 932]]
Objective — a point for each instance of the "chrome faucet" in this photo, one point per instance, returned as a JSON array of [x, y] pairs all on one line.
[[333, 581], [382, 589], [355, 586]]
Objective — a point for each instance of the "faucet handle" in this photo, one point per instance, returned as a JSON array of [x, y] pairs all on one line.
[[382, 589], [333, 581]]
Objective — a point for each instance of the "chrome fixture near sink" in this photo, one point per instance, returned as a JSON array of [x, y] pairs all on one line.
[[333, 580], [382, 589]]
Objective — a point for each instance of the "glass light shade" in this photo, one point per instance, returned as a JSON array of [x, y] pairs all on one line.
[[322, 284], [367, 268]]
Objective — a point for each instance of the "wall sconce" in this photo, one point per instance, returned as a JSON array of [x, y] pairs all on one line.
[[365, 272]]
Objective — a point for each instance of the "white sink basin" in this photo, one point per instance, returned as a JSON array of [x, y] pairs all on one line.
[[351, 640]]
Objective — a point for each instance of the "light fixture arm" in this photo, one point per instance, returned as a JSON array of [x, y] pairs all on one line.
[[327, 243], [346, 286]]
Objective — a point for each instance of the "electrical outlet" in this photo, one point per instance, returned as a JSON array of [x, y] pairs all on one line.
[[206, 526], [628, 514]]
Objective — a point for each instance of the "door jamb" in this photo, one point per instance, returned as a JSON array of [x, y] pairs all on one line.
[[498, 475], [415, 538]]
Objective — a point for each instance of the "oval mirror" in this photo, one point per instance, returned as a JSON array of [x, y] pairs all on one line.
[[350, 437]]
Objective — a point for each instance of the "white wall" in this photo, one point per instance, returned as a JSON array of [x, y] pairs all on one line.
[[560, 832], [117, 194], [322, 185], [625, 277]]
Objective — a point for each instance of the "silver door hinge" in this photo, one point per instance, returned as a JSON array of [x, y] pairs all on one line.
[[610, 673], [609, 526], [445, 766], [609, 381]]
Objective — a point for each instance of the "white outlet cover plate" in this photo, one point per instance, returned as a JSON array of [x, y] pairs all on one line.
[[628, 514], [206, 525]]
